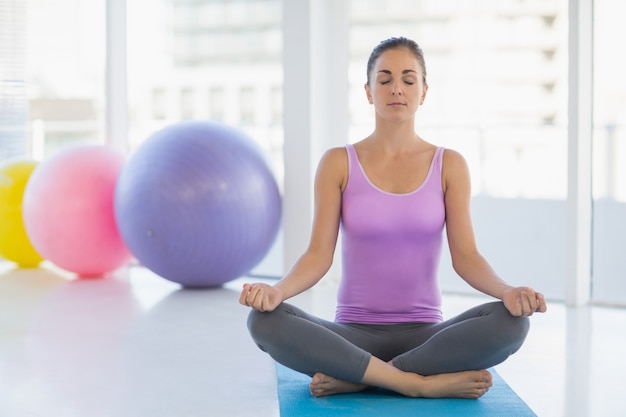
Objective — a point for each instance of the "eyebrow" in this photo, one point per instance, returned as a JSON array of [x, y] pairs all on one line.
[[406, 71]]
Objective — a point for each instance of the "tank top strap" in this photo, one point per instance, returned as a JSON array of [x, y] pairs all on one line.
[[352, 157], [355, 173], [438, 159]]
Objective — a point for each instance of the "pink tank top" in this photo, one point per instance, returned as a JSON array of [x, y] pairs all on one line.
[[391, 248]]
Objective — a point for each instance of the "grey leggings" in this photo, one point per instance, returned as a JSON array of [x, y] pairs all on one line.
[[479, 338]]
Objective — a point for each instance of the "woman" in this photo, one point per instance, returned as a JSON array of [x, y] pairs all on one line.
[[391, 194]]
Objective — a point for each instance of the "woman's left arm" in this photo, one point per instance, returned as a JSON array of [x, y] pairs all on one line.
[[466, 259]]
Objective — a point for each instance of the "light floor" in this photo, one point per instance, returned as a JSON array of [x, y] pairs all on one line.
[[136, 345]]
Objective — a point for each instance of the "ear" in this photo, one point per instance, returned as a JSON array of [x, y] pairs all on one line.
[[368, 93], [424, 94]]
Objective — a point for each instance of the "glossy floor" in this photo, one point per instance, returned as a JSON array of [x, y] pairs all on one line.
[[135, 345]]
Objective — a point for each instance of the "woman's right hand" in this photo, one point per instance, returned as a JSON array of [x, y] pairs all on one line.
[[261, 297]]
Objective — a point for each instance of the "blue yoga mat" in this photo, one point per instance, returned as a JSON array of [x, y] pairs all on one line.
[[296, 401]]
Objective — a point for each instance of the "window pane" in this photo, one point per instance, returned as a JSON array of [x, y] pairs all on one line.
[[12, 79], [66, 62], [220, 60], [609, 154], [497, 94], [199, 59]]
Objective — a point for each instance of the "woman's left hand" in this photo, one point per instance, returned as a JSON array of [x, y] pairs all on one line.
[[524, 301]]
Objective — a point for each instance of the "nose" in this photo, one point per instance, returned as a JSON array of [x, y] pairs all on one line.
[[395, 89]]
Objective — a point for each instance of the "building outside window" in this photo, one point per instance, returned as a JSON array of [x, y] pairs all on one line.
[[499, 100]]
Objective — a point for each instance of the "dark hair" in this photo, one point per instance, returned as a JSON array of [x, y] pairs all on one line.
[[396, 43]]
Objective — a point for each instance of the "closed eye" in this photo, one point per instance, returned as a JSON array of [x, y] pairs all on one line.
[[407, 82]]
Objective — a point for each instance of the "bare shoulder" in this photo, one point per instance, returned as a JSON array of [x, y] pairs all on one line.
[[336, 155], [453, 161], [334, 159], [452, 157], [455, 169], [334, 165]]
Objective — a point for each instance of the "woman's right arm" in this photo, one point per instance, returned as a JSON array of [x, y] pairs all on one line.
[[330, 179]]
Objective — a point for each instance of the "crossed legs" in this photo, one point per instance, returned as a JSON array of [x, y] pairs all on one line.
[[416, 359]]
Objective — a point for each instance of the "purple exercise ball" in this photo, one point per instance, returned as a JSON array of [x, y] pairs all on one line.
[[198, 204]]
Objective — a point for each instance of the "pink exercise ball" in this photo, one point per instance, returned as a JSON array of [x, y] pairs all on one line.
[[68, 210]]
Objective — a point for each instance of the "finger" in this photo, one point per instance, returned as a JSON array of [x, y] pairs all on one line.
[[265, 303], [527, 309], [518, 308], [542, 307], [244, 294], [532, 298], [257, 302], [251, 295]]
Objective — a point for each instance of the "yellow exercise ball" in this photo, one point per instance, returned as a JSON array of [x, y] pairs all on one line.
[[15, 245]]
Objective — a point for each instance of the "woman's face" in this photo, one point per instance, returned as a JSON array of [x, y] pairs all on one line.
[[396, 87]]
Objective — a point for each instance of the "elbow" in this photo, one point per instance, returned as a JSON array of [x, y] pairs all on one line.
[[463, 265], [458, 269], [458, 264], [321, 259], [326, 262]]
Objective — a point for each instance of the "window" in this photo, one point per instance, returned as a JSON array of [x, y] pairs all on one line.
[[609, 155], [13, 104], [247, 105], [64, 72], [159, 103], [196, 60], [187, 105], [499, 100], [216, 103]]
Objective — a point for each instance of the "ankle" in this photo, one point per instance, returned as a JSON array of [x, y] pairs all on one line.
[[413, 385]]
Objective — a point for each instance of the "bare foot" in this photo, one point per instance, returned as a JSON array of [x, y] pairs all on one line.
[[322, 385], [467, 384]]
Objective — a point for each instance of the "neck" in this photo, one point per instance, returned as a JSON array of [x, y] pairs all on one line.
[[395, 137]]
